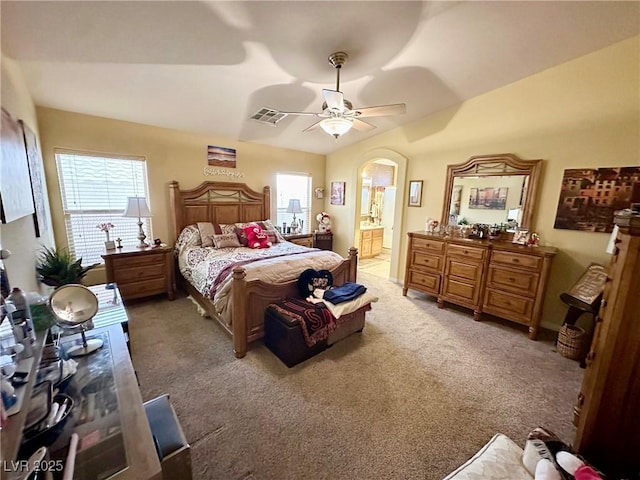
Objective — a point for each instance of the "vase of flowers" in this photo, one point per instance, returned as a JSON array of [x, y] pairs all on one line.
[[106, 227]]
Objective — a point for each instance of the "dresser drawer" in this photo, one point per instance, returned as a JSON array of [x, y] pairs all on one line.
[[138, 260], [133, 274], [426, 244], [424, 282], [461, 291], [473, 253], [525, 283], [305, 242], [142, 288], [429, 262], [366, 234], [465, 270], [507, 305], [532, 262]]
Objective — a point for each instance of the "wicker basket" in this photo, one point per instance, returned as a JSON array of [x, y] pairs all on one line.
[[573, 342]]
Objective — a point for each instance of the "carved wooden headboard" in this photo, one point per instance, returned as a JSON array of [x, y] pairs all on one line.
[[217, 202]]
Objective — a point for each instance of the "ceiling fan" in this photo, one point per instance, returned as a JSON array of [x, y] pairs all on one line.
[[338, 115]]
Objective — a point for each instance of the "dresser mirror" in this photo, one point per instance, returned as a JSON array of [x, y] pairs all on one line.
[[491, 189]]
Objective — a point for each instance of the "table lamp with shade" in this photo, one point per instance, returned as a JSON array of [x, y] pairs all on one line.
[[137, 208], [294, 207]]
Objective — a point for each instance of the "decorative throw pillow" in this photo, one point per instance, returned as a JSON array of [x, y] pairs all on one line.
[[189, 237], [240, 233], [207, 231], [273, 235], [268, 225], [226, 240]]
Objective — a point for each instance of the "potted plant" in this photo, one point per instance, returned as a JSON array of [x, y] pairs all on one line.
[[57, 267]]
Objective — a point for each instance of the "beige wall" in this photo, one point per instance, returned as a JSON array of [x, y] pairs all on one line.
[[170, 154], [19, 236], [584, 113]]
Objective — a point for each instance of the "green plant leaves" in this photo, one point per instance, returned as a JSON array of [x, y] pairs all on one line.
[[57, 266]]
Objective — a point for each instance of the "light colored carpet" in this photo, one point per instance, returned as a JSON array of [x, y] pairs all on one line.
[[413, 396]]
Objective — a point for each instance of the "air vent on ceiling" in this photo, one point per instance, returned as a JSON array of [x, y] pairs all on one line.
[[268, 116]]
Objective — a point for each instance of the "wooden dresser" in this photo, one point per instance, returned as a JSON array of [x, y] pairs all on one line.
[[607, 414], [499, 278], [141, 272]]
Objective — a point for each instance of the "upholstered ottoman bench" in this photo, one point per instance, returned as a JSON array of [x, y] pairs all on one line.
[[286, 337]]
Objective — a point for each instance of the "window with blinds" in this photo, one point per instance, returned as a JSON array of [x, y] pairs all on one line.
[[94, 190], [290, 186]]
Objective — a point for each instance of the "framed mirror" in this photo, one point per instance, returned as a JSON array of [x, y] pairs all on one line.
[[491, 189]]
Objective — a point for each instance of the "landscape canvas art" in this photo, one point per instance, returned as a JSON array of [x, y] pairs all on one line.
[[221, 156], [590, 196]]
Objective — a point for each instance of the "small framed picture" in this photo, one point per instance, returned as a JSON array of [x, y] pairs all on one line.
[[337, 193], [521, 237], [110, 245], [415, 193]]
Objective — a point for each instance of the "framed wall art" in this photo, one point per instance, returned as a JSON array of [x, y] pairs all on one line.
[[337, 193], [38, 186], [15, 184], [590, 196], [221, 156], [415, 193]]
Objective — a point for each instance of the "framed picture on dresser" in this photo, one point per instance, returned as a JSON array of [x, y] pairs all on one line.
[[521, 237]]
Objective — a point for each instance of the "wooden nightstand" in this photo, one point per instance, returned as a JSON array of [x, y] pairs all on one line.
[[140, 272], [304, 239], [323, 240]]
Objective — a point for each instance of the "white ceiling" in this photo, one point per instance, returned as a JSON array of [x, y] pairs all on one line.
[[207, 66]]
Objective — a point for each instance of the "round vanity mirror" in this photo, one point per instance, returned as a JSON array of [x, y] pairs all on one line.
[[73, 306]]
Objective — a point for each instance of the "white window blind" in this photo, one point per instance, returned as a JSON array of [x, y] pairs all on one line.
[[94, 190], [289, 186]]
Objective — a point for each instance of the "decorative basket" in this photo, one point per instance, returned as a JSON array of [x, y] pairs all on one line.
[[573, 342]]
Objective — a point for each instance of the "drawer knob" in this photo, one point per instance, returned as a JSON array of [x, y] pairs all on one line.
[[466, 252], [511, 279], [515, 260]]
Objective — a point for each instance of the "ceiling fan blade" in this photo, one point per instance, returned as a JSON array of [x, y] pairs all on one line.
[[313, 126], [308, 114], [395, 109], [362, 126], [334, 99]]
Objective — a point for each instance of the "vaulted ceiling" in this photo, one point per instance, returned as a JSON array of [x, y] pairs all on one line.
[[208, 66]]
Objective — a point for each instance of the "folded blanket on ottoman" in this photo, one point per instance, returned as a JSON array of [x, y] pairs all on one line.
[[316, 321]]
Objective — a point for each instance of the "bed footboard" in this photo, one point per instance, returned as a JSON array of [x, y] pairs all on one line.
[[251, 298]]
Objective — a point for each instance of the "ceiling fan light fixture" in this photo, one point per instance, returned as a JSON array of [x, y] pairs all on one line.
[[336, 126]]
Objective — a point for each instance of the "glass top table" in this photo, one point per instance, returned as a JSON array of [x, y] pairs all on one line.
[[110, 307]]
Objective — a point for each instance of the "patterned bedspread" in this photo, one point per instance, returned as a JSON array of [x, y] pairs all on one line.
[[209, 270]]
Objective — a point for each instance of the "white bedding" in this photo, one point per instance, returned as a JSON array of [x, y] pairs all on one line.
[[201, 266]]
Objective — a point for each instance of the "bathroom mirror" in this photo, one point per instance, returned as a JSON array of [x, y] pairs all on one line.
[[491, 189], [365, 201]]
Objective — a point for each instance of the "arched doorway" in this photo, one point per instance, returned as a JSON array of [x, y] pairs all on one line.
[[378, 227]]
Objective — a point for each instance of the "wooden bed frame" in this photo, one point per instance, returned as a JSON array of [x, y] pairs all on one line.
[[231, 202]]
